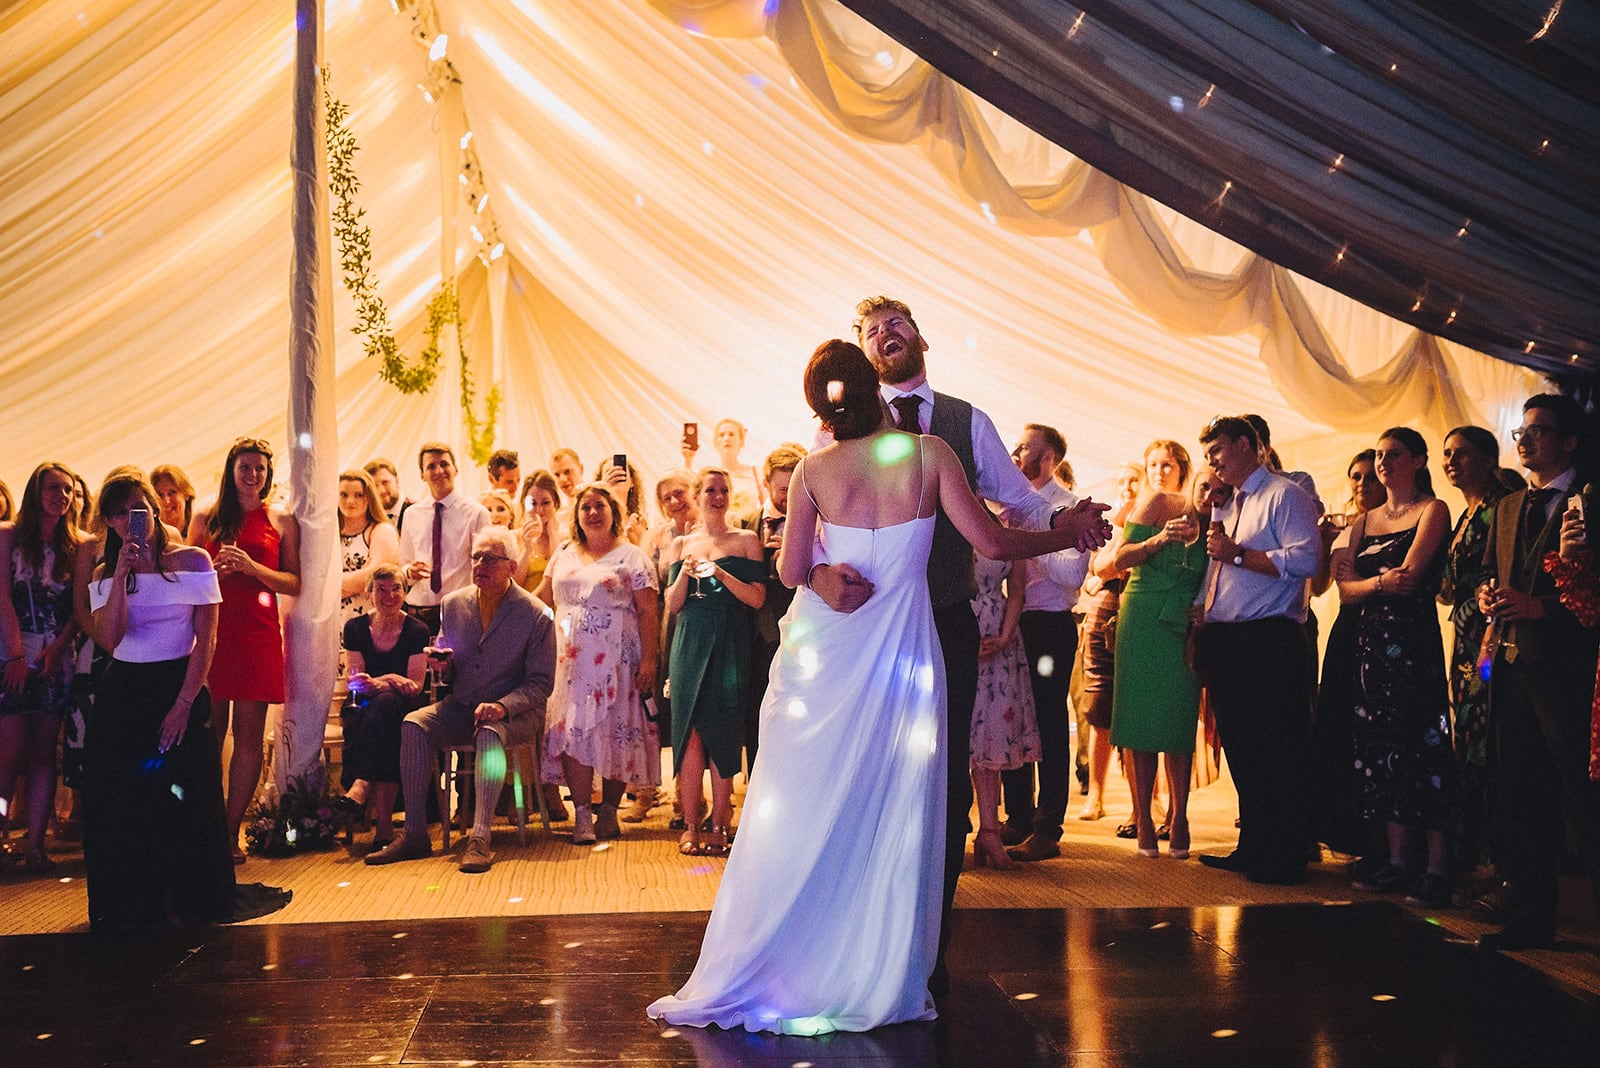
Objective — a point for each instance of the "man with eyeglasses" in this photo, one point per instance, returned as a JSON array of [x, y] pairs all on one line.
[[1540, 683], [499, 645]]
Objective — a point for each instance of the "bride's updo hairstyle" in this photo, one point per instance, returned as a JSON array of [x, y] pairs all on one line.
[[842, 388]]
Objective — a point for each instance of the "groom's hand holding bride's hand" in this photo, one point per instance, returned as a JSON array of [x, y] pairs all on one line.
[[841, 587], [1087, 518]]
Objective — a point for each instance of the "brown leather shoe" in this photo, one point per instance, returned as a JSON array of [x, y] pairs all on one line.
[[1015, 832], [1035, 847], [402, 848], [476, 858]]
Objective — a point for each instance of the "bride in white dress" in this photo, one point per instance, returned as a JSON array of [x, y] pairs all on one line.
[[827, 918]]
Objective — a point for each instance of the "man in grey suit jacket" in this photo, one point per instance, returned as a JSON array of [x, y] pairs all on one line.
[[501, 646]]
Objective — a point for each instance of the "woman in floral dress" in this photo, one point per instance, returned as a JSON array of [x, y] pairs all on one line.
[[1472, 464], [1005, 728], [603, 590]]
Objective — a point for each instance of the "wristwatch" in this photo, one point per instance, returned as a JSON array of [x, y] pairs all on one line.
[[1238, 561]]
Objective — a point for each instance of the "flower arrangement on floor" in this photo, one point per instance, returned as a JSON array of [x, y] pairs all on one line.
[[299, 819]]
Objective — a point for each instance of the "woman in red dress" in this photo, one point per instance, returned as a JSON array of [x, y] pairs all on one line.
[[256, 550]]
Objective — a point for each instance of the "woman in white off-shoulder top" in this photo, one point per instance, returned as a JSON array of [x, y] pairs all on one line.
[[155, 831]]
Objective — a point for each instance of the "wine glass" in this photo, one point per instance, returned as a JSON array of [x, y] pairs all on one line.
[[700, 569]]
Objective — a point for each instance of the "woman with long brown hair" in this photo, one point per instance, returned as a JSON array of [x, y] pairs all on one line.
[[256, 550], [37, 632], [367, 538]]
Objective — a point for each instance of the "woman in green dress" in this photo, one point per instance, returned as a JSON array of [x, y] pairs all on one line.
[[716, 575], [1156, 699]]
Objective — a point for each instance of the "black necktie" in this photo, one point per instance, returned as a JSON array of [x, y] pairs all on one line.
[[1536, 509], [905, 413]]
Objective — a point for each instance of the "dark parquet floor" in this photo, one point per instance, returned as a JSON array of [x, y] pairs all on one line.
[[1315, 985]]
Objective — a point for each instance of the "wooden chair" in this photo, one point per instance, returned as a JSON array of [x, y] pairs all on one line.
[[460, 767]]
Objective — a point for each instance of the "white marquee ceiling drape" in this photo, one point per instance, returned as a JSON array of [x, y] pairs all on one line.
[[683, 222]]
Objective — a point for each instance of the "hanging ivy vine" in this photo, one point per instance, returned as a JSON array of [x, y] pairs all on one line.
[[372, 315]]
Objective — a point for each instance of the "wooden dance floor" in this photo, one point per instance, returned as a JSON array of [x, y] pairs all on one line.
[[1298, 984]]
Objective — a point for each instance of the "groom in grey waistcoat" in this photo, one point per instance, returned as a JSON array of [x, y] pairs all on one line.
[[889, 336]]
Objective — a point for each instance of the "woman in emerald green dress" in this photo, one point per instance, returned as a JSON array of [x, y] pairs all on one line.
[[1156, 698], [716, 575]]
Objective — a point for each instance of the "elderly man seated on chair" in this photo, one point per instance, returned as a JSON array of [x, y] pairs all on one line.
[[501, 647]]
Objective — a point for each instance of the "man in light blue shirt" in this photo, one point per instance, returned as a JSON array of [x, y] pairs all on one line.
[[1251, 651]]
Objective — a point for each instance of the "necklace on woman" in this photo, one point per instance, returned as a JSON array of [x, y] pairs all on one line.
[[1403, 512]]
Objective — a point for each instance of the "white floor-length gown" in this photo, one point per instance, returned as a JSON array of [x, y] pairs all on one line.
[[827, 918]]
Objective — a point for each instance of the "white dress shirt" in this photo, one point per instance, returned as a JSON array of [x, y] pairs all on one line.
[[998, 478], [1054, 578], [463, 518]]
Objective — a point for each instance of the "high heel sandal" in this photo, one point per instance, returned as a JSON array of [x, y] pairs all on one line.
[[988, 851], [717, 848], [1179, 849]]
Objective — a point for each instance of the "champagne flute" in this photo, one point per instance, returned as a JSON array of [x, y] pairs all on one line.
[[1192, 525]]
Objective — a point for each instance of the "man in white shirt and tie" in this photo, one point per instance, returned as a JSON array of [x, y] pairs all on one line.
[[436, 536], [890, 338]]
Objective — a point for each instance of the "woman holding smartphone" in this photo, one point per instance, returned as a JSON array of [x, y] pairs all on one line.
[[256, 549], [155, 835]]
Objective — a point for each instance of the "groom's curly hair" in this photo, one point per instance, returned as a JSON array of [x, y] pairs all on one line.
[[842, 388]]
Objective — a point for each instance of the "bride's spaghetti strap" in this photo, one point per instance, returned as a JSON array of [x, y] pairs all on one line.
[[922, 476], [805, 484]]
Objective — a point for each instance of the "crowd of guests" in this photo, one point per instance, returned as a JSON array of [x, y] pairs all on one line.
[[558, 613]]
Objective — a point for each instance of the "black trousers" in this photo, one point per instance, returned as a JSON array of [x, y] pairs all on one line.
[[1539, 781], [1257, 673], [958, 638], [1050, 640]]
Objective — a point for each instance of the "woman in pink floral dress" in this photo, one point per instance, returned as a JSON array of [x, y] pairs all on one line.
[[1005, 728], [603, 589]]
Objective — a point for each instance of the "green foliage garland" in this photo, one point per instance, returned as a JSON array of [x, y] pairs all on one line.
[[355, 263], [372, 316]]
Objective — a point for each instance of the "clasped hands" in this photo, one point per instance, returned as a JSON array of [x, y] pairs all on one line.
[[361, 682], [232, 560], [1087, 518]]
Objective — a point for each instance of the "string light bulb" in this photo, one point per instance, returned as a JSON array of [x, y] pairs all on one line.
[[1077, 22], [1549, 21], [437, 50], [1206, 97]]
